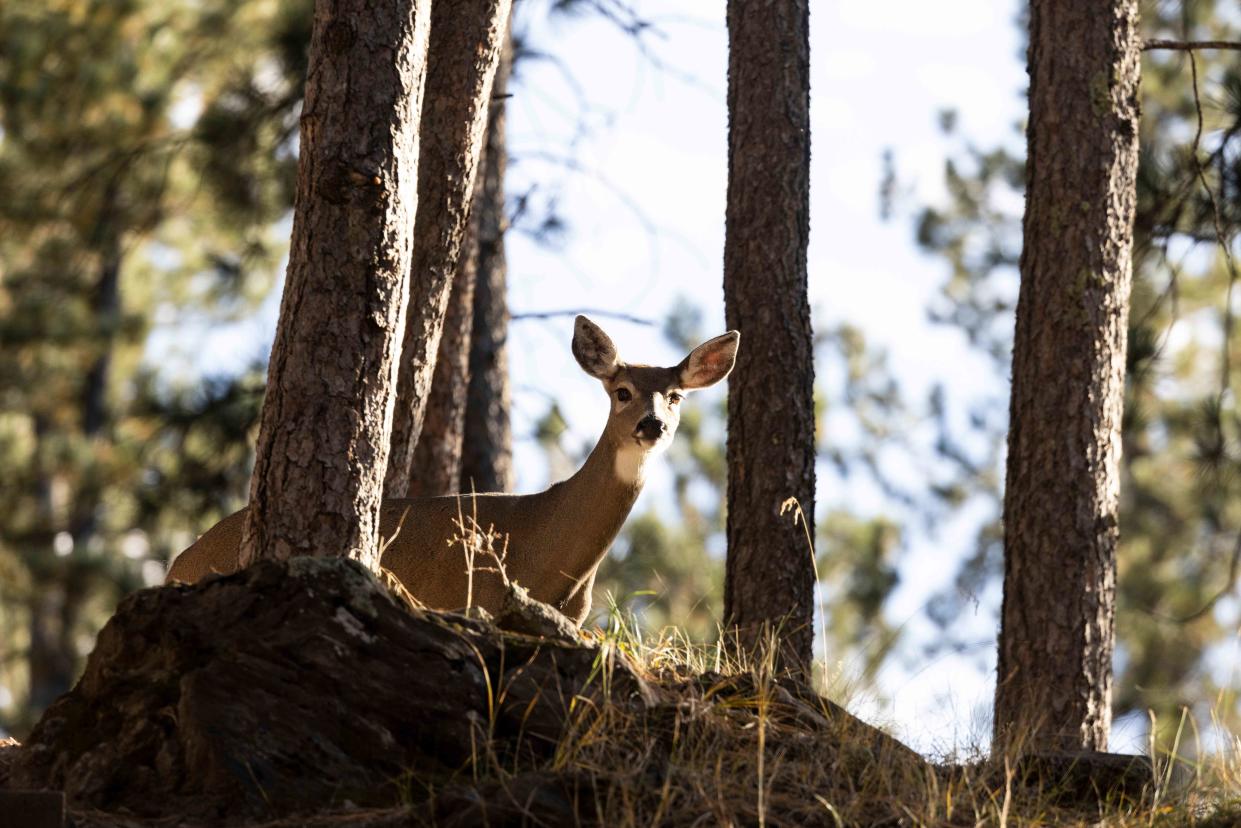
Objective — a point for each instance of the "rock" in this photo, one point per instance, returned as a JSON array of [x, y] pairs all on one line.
[[1087, 777], [297, 687], [33, 809], [520, 613]]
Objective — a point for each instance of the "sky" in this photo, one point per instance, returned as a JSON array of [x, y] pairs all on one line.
[[631, 143]]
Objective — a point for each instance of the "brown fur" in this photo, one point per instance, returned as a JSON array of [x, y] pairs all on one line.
[[556, 538]]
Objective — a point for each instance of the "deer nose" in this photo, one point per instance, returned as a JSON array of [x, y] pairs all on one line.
[[651, 428]]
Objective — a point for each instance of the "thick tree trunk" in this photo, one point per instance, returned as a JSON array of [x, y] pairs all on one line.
[[487, 454], [323, 437], [769, 581], [1055, 651], [437, 457], [466, 40]]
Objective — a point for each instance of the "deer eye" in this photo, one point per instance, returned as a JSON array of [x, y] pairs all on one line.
[[675, 398], [623, 394]]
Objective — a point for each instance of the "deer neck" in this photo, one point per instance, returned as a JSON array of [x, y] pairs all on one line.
[[594, 503]]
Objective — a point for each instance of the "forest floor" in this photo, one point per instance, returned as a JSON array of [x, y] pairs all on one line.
[[313, 695]]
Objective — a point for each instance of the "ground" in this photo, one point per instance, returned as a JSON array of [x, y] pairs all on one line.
[[312, 693]]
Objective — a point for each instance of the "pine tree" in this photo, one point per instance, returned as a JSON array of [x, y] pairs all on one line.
[[436, 468], [771, 451], [1178, 512], [1053, 688], [487, 451], [323, 439], [466, 40], [93, 164]]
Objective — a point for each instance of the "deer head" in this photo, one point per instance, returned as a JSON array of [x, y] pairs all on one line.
[[646, 400]]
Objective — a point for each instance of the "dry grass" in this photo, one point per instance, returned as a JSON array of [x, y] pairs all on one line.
[[730, 743]]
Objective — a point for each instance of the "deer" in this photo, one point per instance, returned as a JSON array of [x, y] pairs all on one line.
[[553, 541]]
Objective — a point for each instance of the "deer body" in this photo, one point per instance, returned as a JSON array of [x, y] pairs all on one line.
[[553, 541]]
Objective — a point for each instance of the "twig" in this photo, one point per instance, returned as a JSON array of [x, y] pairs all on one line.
[[1234, 569], [1172, 295], [1225, 351], [626, 18], [1189, 45], [1225, 245], [625, 317], [1234, 572]]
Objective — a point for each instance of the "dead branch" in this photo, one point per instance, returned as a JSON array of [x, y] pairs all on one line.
[[1188, 45]]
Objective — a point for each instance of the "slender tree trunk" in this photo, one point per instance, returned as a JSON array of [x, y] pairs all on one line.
[[437, 457], [61, 583], [1053, 689], [107, 310], [487, 454], [52, 666], [466, 39], [323, 436], [769, 580]]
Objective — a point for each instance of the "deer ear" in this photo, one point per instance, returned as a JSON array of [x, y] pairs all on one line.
[[593, 350], [710, 362]]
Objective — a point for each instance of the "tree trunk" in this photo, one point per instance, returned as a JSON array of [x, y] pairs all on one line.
[[107, 309], [466, 40], [323, 436], [51, 663], [61, 584], [437, 457], [1054, 678], [769, 581], [487, 454]]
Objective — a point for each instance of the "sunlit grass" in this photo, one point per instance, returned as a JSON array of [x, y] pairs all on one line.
[[731, 742]]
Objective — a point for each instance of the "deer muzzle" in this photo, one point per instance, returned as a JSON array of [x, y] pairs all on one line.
[[650, 428]]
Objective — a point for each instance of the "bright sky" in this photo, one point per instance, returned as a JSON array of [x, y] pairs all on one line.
[[655, 157]]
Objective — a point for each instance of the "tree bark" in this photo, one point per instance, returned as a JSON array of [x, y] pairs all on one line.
[[1054, 678], [466, 40], [437, 457], [323, 436], [487, 453], [769, 580]]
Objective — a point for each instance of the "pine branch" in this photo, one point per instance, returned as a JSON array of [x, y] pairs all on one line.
[[1234, 570], [1225, 245], [1189, 45]]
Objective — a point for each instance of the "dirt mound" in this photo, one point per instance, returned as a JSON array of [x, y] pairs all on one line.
[[288, 688], [309, 693]]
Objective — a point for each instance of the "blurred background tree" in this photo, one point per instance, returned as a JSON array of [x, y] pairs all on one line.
[[131, 197]]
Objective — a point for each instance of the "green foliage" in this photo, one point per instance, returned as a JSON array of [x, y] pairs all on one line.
[[131, 201], [857, 565]]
